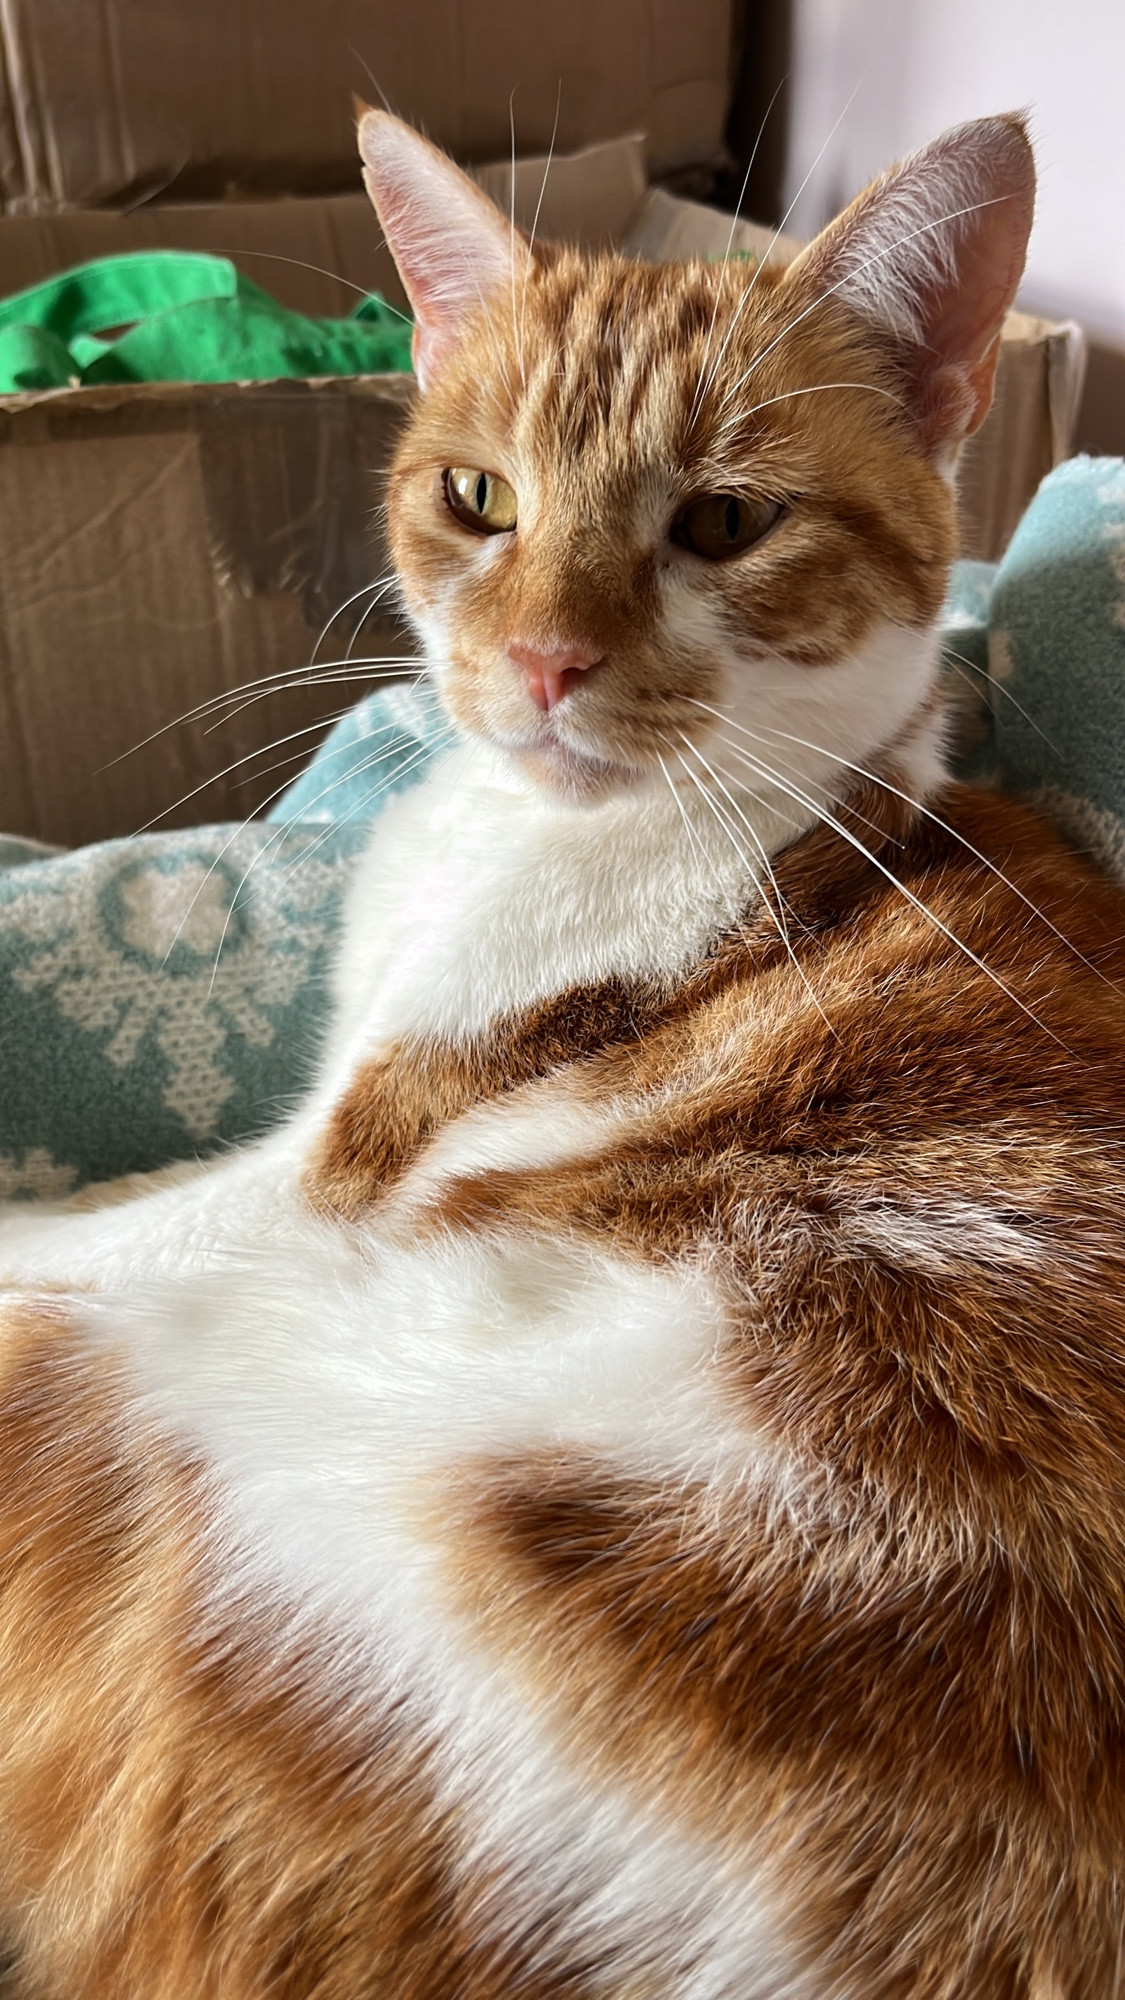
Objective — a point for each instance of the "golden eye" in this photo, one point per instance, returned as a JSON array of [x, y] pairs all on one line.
[[719, 525], [480, 500]]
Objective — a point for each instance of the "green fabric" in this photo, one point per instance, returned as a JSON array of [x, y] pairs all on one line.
[[178, 316], [164, 995]]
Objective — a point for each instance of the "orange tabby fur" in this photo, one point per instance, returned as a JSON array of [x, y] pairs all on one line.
[[884, 1119]]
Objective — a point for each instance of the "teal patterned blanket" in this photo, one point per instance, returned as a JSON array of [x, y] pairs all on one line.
[[162, 996]]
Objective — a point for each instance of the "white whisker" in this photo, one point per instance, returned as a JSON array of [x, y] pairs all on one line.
[[927, 813], [849, 278], [241, 828], [777, 914], [538, 206], [260, 750], [726, 253], [516, 334], [778, 232], [266, 684], [329, 673], [302, 263], [419, 756], [380, 583], [802, 798], [286, 827], [949, 654]]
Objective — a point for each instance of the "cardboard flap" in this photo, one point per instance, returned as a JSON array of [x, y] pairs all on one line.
[[125, 99], [666, 229], [587, 198]]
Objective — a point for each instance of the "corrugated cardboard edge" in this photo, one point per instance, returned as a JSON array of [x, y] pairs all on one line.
[[24, 183], [117, 101], [1067, 353]]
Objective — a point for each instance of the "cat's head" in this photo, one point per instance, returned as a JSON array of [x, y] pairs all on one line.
[[634, 499]]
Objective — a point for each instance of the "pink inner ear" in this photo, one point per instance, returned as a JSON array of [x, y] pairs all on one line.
[[934, 252], [456, 254], [963, 319]]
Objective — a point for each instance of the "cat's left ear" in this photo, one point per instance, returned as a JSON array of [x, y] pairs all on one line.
[[931, 255], [455, 252]]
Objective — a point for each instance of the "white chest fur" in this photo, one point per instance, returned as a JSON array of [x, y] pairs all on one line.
[[481, 895]]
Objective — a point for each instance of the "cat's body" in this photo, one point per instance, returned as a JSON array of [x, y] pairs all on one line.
[[625, 1494]]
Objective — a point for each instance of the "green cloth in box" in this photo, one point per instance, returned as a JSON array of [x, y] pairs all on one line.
[[180, 316]]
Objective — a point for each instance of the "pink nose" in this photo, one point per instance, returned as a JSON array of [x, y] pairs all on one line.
[[551, 675]]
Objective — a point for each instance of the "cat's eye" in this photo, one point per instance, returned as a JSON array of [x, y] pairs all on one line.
[[718, 525], [480, 500]]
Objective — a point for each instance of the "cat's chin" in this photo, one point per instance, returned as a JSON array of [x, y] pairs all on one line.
[[573, 774]]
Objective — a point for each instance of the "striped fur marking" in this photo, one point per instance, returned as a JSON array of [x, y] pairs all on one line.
[[930, 1733], [189, 1808]]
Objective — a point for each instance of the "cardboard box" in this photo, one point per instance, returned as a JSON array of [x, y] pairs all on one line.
[[164, 544], [115, 100]]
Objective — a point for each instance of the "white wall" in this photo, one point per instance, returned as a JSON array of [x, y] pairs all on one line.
[[916, 66]]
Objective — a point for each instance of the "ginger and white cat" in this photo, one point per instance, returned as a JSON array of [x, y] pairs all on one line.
[[624, 1494]]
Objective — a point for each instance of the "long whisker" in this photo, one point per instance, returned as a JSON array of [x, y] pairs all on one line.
[[778, 232], [874, 778], [281, 833], [849, 277], [538, 206], [517, 335], [266, 684], [371, 78], [360, 674], [724, 824], [856, 814], [419, 756], [726, 253], [723, 821], [276, 257], [776, 912], [813, 389], [802, 798], [688, 827], [379, 667], [380, 583], [244, 823], [374, 592], [260, 750], [949, 654], [328, 673]]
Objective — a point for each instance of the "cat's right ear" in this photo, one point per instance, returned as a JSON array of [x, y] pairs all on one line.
[[454, 250]]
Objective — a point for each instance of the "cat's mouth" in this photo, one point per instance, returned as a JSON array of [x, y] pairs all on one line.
[[572, 772]]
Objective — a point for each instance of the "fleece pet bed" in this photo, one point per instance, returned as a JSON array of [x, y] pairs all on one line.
[[162, 996]]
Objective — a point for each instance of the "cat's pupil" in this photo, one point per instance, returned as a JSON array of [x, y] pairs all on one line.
[[482, 492], [731, 519]]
